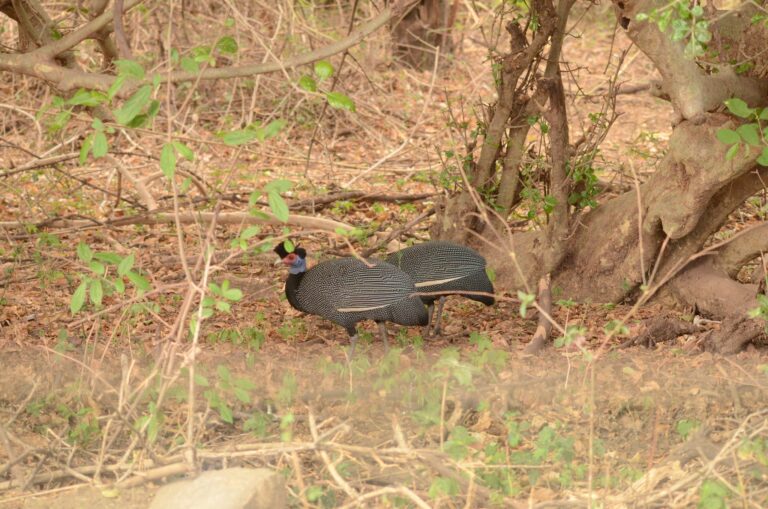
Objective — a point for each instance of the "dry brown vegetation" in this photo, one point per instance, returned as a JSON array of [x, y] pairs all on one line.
[[133, 392]]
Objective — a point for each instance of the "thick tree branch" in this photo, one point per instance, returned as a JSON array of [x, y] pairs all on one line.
[[39, 63], [692, 91], [744, 248], [232, 218]]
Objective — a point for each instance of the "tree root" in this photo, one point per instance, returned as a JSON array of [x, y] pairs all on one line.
[[658, 329], [734, 335]]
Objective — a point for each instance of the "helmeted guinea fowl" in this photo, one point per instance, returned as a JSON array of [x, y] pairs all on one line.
[[441, 266], [347, 291]]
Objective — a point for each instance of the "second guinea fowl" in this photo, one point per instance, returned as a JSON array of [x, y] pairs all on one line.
[[347, 291], [444, 268]]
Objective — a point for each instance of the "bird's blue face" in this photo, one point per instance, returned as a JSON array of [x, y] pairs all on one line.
[[296, 264]]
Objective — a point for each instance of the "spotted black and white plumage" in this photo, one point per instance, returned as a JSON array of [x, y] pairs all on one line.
[[347, 291], [445, 267]]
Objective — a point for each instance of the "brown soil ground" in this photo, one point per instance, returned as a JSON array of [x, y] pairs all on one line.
[[657, 413]]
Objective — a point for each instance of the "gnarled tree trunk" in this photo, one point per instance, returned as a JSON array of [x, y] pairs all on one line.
[[656, 238]]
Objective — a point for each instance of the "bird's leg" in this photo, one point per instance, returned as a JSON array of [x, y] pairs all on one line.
[[439, 315], [352, 344], [430, 310], [383, 334]]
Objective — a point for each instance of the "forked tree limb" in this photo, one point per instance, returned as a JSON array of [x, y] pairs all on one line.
[[40, 64]]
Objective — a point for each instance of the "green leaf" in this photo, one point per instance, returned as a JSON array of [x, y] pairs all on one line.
[[168, 160], [133, 106], [138, 280], [763, 114], [78, 298], [308, 83], [100, 146], [201, 380], [84, 252], [226, 414], [288, 245], [129, 68], [340, 101], [278, 206], [763, 159], [728, 136], [115, 87], [278, 186], [97, 267], [243, 395], [189, 65], [273, 128], [108, 257], [119, 285], [314, 493], [97, 292], [126, 264], [238, 137], [748, 133], [234, 294], [227, 45], [739, 107], [87, 98], [323, 69], [250, 232], [85, 148], [223, 372], [443, 487], [184, 151], [732, 152]]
